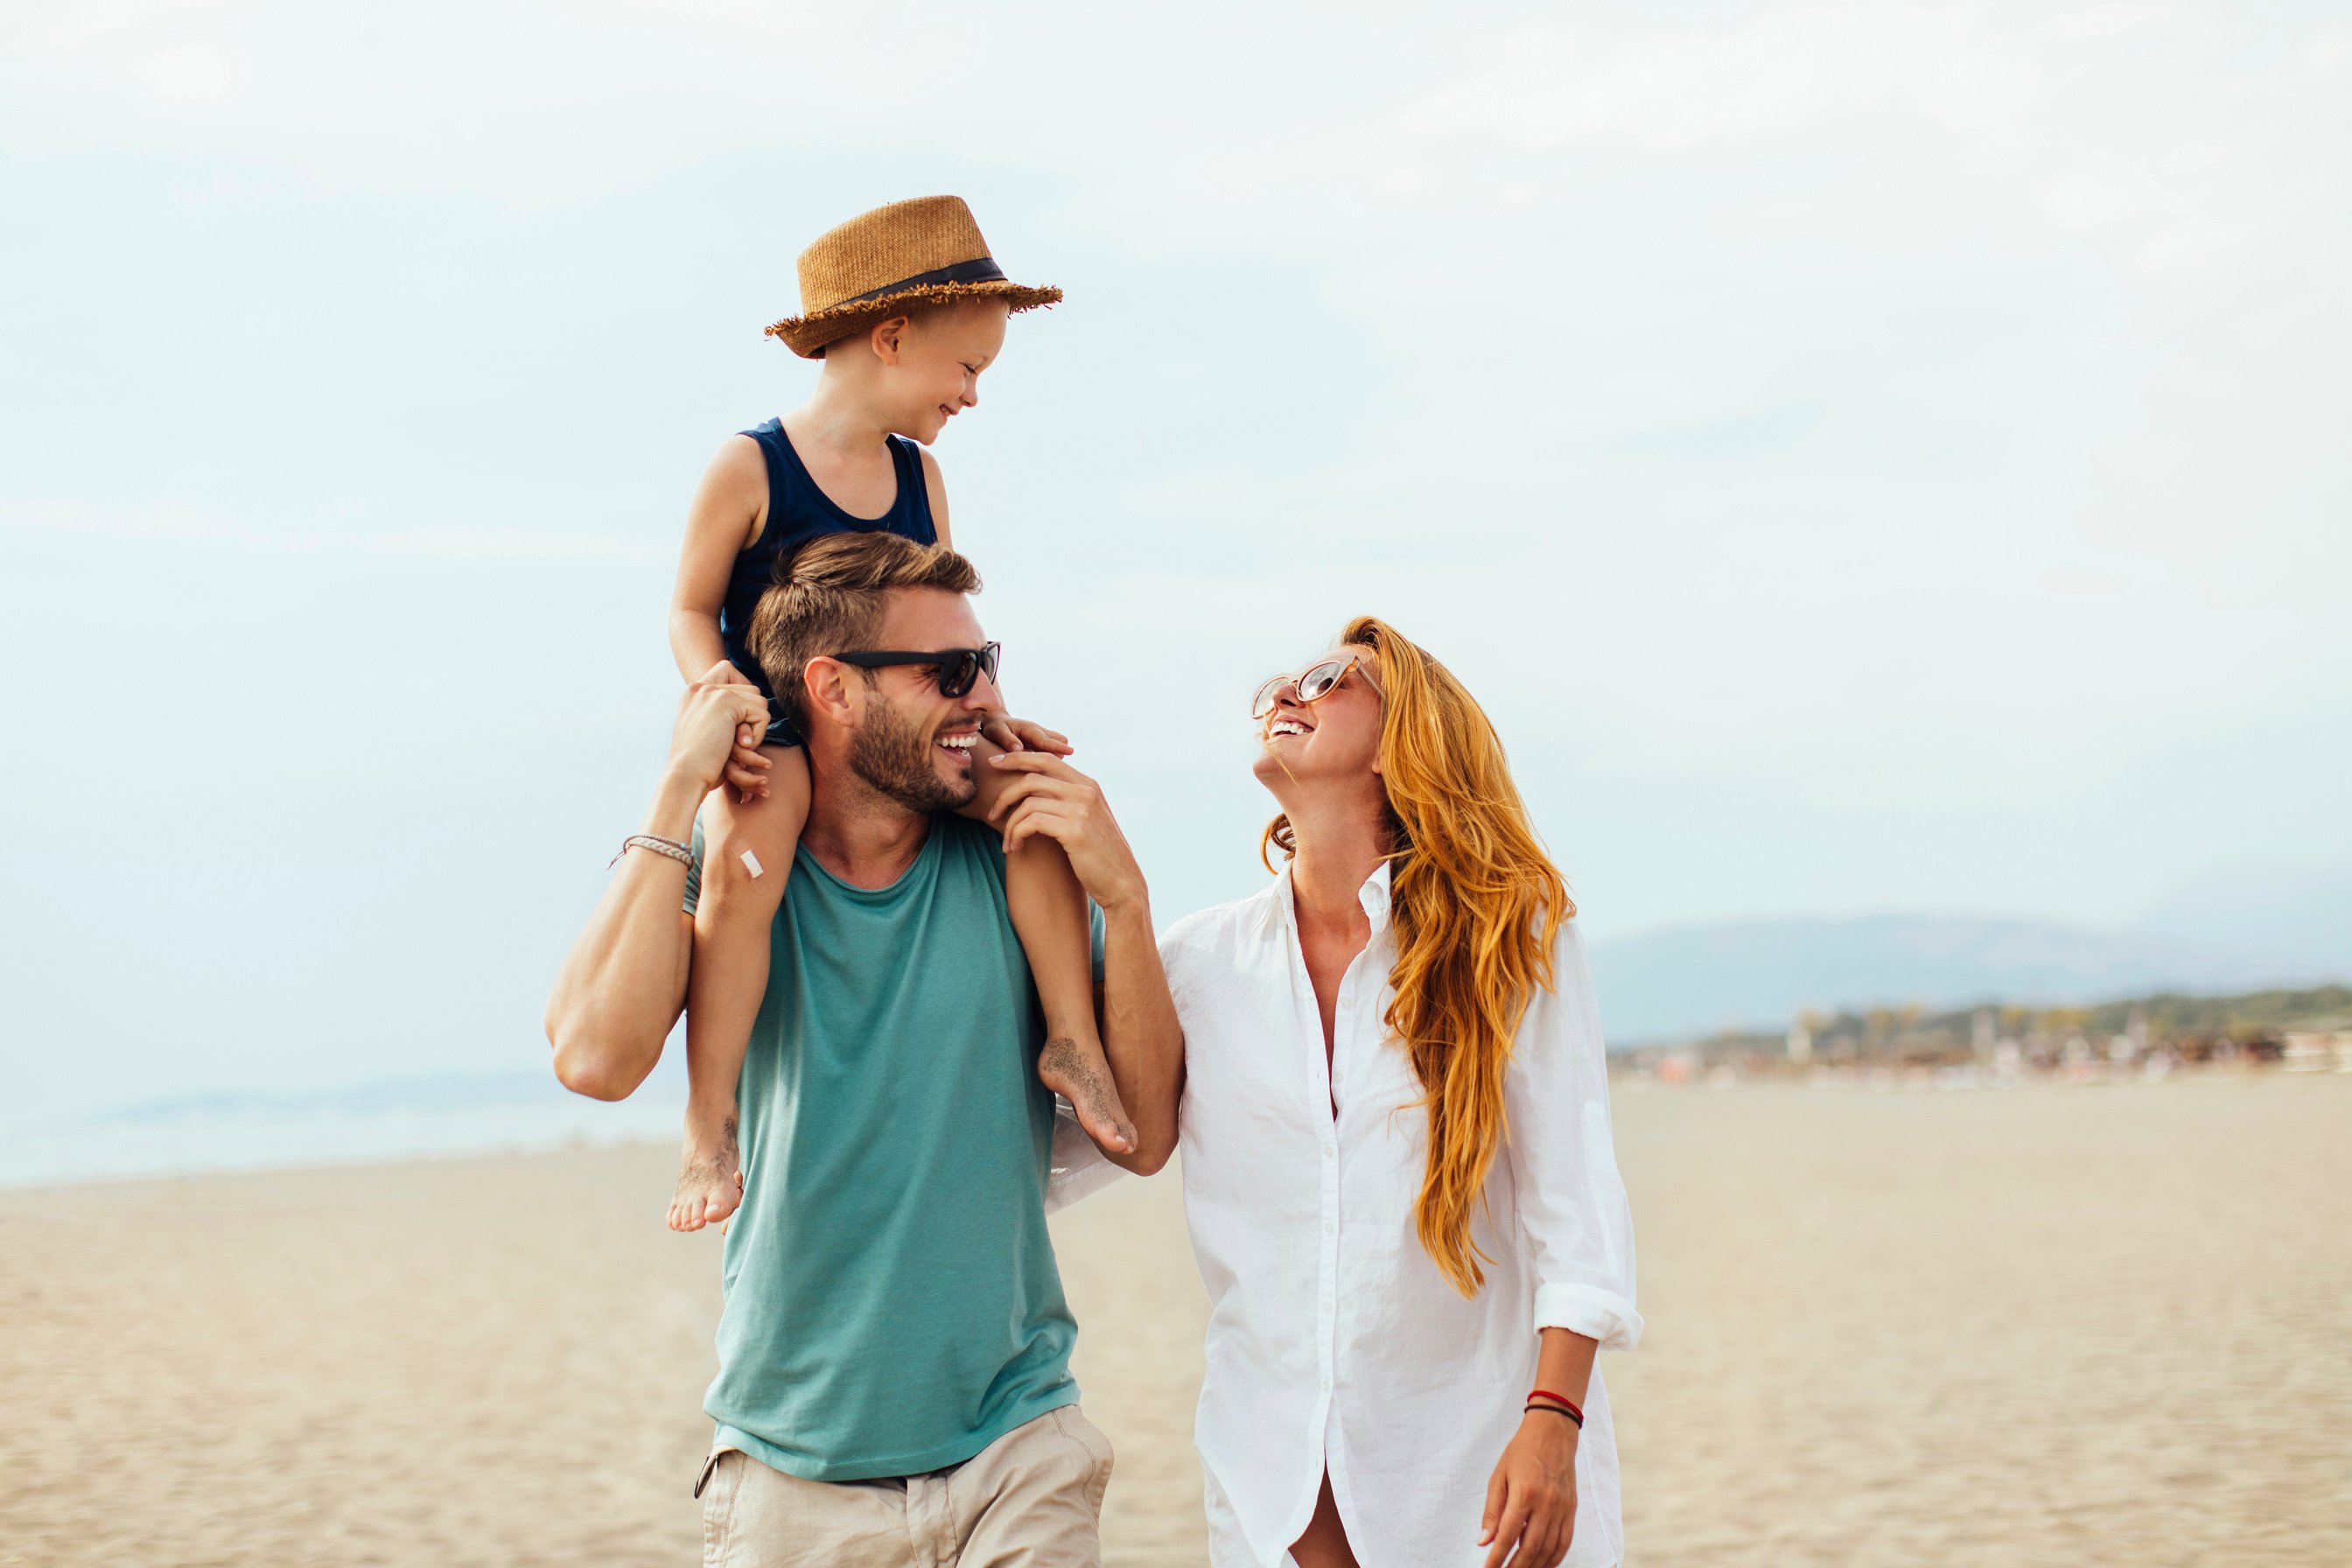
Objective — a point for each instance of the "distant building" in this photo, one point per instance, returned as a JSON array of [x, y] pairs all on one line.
[[1800, 1042]]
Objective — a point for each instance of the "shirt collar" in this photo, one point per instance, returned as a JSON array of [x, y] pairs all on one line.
[[1282, 905]]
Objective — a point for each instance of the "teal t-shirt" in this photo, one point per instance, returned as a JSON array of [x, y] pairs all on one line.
[[892, 1303]]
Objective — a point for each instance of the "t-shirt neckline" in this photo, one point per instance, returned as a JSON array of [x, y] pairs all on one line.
[[802, 855]]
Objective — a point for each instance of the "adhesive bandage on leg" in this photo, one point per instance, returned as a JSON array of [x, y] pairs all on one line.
[[752, 864]]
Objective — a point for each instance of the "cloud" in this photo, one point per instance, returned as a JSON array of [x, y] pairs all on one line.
[[2101, 188], [2192, 243], [2102, 21], [448, 543], [185, 71], [81, 21], [516, 545], [1790, 68]]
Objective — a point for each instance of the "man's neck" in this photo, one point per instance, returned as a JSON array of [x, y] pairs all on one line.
[[859, 834]]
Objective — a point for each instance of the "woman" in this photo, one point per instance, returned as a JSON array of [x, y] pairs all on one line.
[[1398, 1168]]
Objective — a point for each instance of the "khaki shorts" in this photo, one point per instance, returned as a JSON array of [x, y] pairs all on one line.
[[1033, 1498]]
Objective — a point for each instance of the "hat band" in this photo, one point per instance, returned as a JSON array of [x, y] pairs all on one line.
[[982, 269]]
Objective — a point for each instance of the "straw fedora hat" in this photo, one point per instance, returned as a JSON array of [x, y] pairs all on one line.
[[927, 251]]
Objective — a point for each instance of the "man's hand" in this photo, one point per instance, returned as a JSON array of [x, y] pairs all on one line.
[[712, 717], [1142, 1039], [1055, 799], [747, 770], [1025, 735], [1531, 1501]]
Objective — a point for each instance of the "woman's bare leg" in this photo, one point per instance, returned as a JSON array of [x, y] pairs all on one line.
[[730, 977], [1325, 1543]]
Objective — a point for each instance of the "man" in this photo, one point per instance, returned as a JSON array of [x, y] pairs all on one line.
[[894, 1382]]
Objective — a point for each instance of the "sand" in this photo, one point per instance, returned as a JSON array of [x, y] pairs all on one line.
[[2075, 1326]]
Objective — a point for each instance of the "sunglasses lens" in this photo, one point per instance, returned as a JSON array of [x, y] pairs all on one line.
[[957, 673], [1262, 702], [1319, 681]]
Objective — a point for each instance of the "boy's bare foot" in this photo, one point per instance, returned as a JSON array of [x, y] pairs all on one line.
[[709, 1184], [1079, 1074]]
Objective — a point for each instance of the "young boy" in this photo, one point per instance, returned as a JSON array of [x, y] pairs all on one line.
[[903, 308]]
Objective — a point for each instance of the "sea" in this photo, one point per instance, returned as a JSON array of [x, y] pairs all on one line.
[[411, 1119]]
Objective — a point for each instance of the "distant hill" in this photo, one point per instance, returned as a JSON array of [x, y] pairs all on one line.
[[2298, 916], [1696, 980]]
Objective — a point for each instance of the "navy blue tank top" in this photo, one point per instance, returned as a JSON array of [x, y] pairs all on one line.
[[799, 511]]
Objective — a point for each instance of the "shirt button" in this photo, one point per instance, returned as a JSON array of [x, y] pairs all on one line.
[[1330, 1229], [1329, 1152], [1327, 1385]]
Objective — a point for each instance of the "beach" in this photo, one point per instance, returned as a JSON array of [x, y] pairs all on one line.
[[2045, 1325]]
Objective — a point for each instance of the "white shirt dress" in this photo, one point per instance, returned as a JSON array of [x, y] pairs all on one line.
[[1333, 1341]]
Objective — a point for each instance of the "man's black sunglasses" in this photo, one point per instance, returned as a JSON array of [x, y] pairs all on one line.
[[958, 668]]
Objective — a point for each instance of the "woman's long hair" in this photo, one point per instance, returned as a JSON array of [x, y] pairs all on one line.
[[1476, 905]]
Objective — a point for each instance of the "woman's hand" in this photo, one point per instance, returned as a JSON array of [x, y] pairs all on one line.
[[1013, 734], [1531, 1501]]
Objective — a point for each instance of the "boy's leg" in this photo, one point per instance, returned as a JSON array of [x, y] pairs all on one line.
[[730, 977], [1049, 915]]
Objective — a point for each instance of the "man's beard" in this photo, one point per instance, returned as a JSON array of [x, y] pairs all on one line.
[[893, 755]]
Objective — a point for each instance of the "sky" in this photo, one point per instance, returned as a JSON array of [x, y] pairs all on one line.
[[1866, 457]]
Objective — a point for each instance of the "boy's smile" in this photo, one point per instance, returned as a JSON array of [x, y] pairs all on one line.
[[938, 357]]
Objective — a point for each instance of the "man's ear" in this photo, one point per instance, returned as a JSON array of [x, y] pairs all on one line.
[[826, 685]]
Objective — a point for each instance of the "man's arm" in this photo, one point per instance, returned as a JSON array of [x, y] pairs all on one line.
[[1141, 1038], [1141, 1035], [622, 985]]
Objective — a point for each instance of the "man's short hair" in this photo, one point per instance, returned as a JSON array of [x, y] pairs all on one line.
[[830, 596]]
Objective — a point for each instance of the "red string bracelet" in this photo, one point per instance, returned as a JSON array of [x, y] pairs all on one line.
[[1572, 1410]]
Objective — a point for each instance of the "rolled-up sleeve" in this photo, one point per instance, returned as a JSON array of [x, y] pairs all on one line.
[[1573, 1209]]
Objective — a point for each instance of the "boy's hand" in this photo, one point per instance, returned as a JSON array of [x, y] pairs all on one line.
[[711, 720], [747, 770], [1013, 734]]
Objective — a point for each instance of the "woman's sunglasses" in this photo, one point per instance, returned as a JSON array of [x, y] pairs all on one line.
[[958, 668], [1312, 687]]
